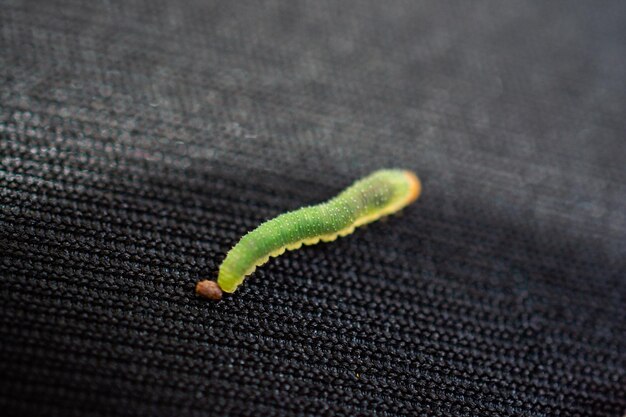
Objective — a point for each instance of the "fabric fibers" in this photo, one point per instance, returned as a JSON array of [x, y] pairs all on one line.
[[139, 140]]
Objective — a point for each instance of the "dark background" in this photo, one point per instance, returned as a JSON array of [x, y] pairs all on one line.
[[140, 139]]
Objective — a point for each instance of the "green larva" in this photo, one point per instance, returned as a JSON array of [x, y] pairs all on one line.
[[379, 194]]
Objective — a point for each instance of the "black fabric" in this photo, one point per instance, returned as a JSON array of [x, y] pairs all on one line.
[[140, 139]]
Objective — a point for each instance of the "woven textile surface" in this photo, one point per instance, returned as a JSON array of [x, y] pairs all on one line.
[[140, 139]]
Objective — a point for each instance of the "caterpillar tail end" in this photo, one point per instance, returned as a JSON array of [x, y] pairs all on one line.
[[415, 186], [209, 289]]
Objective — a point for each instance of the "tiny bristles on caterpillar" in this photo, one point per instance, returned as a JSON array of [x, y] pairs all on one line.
[[379, 194]]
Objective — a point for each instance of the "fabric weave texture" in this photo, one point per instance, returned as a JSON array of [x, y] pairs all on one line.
[[139, 140]]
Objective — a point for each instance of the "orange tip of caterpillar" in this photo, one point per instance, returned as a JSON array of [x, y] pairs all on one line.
[[209, 289], [415, 186]]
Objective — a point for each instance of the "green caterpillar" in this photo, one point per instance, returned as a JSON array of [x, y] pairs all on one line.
[[379, 194]]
